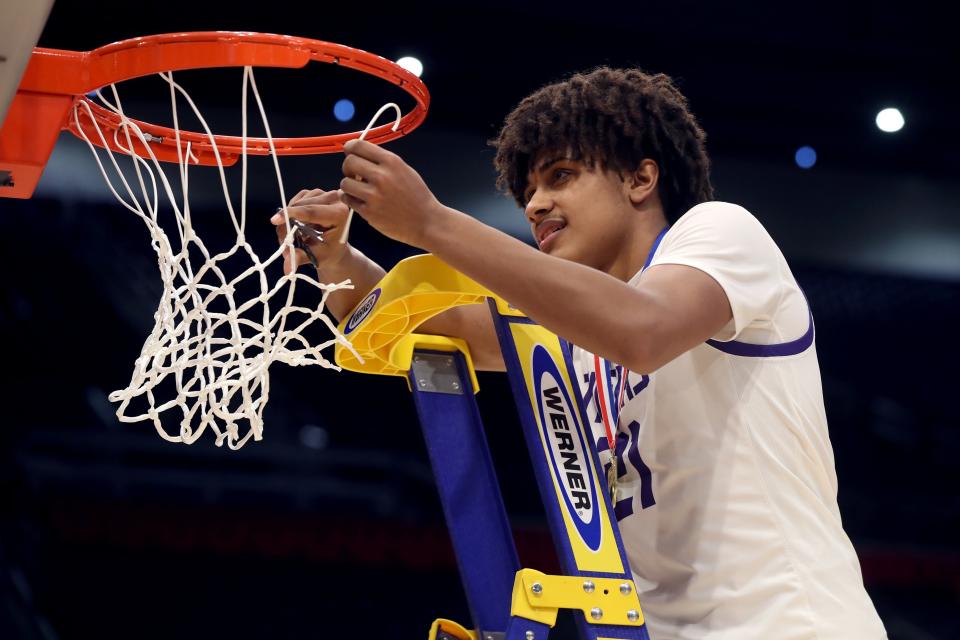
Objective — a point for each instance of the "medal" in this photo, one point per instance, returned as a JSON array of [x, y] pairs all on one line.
[[612, 479], [609, 405], [610, 397]]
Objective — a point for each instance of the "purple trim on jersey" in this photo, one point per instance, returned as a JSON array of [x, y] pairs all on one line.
[[656, 244], [746, 350]]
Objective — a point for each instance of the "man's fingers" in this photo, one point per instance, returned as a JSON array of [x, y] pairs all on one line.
[[301, 194], [357, 167], [314, 194], [319, 196], [354, 203], [327, 199], [356, 189], [367, 151], [324, 215]]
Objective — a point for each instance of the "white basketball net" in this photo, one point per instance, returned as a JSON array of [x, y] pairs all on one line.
[[204, 367]]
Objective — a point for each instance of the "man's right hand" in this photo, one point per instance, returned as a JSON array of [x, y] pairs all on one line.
[[322, 210], [338, 262]]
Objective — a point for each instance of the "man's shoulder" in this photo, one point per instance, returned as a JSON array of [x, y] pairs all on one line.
[[717, 223], [715, 211]]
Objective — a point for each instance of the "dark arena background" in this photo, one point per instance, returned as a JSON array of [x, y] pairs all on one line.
[[330, 526]]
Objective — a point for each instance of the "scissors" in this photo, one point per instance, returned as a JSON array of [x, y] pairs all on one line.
[[303, 236]]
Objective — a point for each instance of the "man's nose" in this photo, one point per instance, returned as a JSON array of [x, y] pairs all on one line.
[[538, 206]]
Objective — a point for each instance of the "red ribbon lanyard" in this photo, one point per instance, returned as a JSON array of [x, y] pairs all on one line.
[[602, 373]]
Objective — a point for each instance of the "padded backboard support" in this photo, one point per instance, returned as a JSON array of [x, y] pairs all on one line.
[[21, 22]]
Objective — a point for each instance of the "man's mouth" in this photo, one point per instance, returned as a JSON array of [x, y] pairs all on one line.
[[548, 228]]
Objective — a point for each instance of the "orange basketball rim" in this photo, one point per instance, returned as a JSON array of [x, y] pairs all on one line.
[[55, 80]]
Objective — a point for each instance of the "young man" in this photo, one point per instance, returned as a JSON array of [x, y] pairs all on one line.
[[694, 347]]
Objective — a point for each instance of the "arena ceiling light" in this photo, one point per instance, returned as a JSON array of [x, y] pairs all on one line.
[[412, 65], [890, 120]]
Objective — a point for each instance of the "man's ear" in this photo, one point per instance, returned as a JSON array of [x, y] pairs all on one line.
[[642, 182]]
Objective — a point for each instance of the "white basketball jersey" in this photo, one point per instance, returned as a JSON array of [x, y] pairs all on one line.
[[727, 490]]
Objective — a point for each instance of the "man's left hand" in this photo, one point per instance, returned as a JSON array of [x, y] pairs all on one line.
[[388, 193]]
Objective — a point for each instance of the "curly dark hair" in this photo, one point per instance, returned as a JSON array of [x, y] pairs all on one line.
[[616, 118]]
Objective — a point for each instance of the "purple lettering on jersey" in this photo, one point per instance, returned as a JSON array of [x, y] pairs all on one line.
[[622, 441], [623, 508], [629, 445], [602, 444], [590, 395], [613, 390], [646, 477], [635, 391], [593, 397]]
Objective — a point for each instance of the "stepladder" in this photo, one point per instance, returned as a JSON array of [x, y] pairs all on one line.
[[506, 601]]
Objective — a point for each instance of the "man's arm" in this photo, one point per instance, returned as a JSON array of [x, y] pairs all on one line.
[[672, 310]]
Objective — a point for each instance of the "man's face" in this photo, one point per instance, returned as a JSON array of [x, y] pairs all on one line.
[[577, 212]]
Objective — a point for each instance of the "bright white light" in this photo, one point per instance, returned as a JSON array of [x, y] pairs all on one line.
[[890, 120], [412, 65]]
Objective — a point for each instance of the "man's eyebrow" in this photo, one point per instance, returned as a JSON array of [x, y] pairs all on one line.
[[546, 164]]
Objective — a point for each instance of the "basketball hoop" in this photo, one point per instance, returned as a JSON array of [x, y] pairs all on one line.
[[212, 349], [55, 79]]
